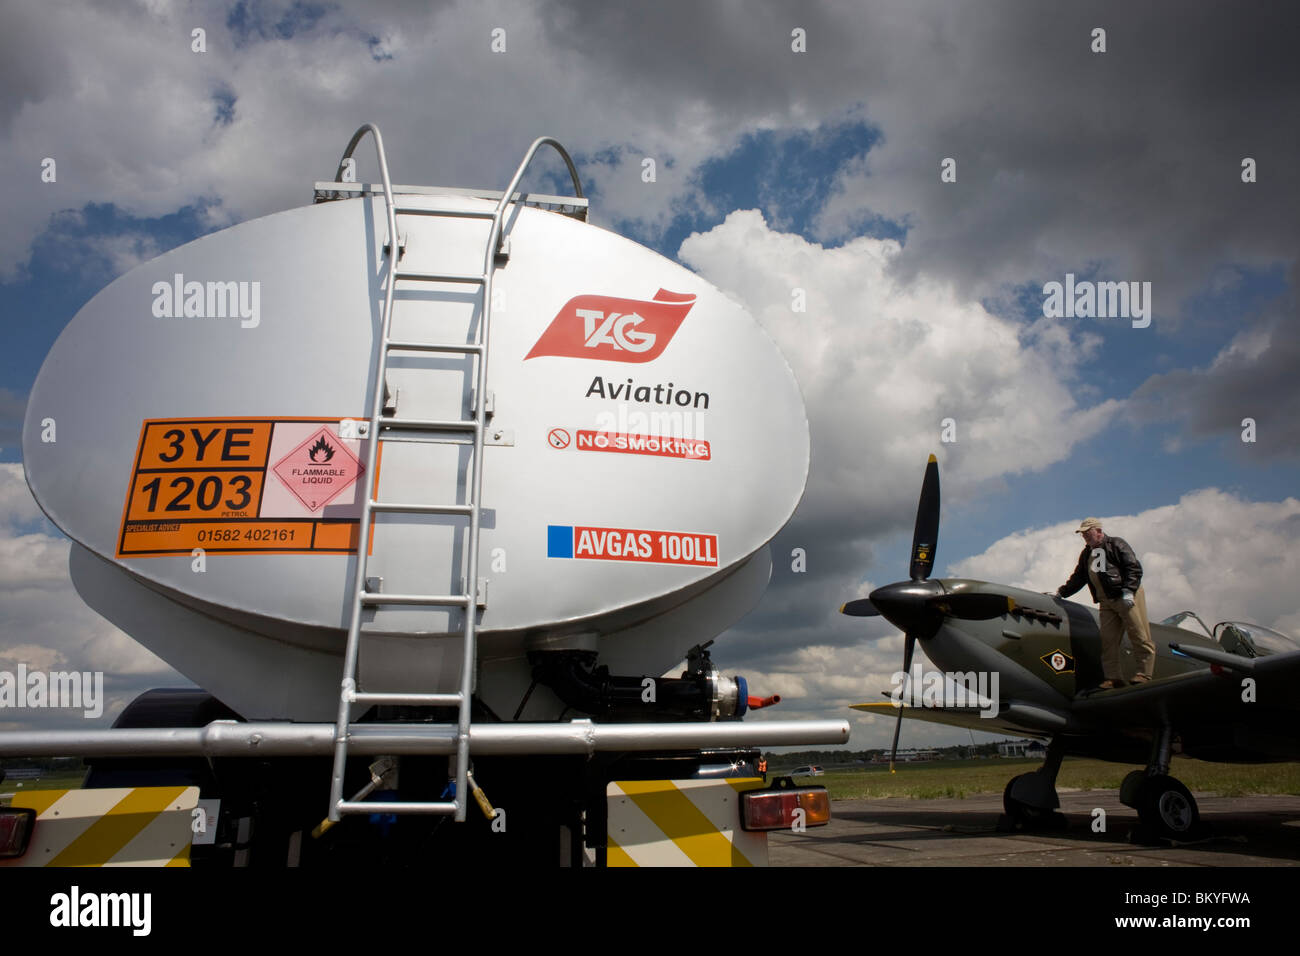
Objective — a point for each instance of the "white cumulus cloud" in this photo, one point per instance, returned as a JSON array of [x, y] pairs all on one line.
[[47, 626], [1212, 552], [883, 362]]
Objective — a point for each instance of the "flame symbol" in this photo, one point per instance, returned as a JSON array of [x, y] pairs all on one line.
[[321, 451]]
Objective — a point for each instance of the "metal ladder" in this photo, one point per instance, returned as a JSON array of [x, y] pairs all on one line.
[[362, 597]]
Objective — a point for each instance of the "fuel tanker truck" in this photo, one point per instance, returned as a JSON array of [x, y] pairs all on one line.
[[431, 491]]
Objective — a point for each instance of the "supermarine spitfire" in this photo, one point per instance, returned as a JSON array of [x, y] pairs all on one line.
[[1229, 696]]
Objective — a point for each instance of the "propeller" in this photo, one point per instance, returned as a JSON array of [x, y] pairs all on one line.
[[925, 535], [919, 606], [909, 644], [862, 607], [926, 531]]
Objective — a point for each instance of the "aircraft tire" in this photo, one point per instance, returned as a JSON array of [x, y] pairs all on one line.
[[1024, 816], [1168, 807], [1130, 790]]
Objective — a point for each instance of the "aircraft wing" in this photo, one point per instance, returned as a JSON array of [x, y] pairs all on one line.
[[968, 717], [1218, 694], [1234, 689], [1273, 666]]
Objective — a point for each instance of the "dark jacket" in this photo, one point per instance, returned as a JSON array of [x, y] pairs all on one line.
[[1122, 571]]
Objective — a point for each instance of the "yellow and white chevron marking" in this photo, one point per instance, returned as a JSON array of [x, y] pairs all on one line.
[[135, 826], [681, 823]]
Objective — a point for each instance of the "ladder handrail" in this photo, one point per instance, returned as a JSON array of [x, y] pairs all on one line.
[[480, 417], [354, 626], [528, 158]]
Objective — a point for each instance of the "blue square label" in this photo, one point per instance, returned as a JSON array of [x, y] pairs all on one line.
[[559, 540]]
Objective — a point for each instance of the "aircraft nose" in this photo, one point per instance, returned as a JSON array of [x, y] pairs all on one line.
[[908, 605]]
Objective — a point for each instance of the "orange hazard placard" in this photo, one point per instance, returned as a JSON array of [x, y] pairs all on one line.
[[204, 444], [243, 486]]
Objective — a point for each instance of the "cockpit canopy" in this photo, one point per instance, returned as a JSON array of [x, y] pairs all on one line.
[[1238, 637], [1252, 640]]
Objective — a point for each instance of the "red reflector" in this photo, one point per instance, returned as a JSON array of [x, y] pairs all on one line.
[[786, 809], [15, 831]]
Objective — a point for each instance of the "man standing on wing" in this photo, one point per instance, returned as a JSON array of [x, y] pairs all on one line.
[[1114, 576]]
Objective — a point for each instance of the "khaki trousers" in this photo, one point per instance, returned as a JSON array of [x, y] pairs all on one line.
[[1115, 620]]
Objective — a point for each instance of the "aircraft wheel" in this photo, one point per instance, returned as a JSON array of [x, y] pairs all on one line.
[[1130, 790], [1024, 816], [1168, 807]]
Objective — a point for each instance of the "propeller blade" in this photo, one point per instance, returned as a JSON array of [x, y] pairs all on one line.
[[925, 534], [908, 643], [862, 607], [974, 607]]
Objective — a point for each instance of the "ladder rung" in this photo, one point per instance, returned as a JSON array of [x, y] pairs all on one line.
[[390, 806], [447, 211], [425, 424], [410, 508], [442, 277], [436, 347], [433, 700], [429, 600]]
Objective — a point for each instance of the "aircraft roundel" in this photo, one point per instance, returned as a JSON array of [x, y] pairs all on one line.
[[1059, 661]]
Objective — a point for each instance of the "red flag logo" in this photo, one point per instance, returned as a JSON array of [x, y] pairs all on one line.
[[613, 329]]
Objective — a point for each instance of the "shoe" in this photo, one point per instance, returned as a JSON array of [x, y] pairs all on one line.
[[1140, 679], [1110, 684]]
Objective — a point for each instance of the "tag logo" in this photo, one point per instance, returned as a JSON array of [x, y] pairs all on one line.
[[613, 329]]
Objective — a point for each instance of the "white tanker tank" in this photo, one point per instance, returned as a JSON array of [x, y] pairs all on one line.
[[201, 431]]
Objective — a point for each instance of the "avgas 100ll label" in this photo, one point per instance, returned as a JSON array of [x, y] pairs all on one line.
[[631, 544]]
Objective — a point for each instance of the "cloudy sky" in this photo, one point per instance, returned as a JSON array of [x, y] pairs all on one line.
[[921, 169]]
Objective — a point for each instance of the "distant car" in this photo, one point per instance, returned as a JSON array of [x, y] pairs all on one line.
[[808, 772]]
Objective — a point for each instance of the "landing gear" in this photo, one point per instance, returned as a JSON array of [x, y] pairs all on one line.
[[1166, 809], [1169, 805], [1023, 815], [1030, 800]]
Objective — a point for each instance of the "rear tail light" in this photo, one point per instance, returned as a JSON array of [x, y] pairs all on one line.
[[16, 827], [785, 808]]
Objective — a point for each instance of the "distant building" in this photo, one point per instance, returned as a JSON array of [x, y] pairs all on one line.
[[23, 773], [907, 756], [1021, 748]]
